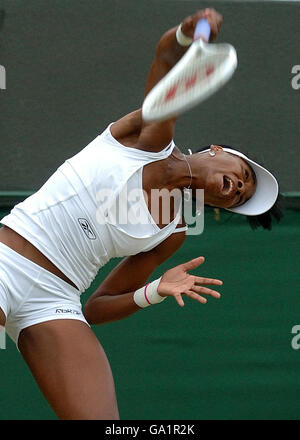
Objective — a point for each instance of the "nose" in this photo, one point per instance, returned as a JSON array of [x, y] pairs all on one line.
[[240, 186]]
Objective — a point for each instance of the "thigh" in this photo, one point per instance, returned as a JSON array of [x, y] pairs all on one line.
[[71, 369]]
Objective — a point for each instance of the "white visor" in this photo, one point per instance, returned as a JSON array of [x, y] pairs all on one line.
[[266, 191]]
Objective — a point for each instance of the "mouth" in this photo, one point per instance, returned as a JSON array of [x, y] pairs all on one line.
[[227, 187]]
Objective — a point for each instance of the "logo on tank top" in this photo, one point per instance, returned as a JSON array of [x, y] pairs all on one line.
[[87, 229]]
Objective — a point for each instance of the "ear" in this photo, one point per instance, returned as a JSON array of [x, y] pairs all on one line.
[[216, 148]]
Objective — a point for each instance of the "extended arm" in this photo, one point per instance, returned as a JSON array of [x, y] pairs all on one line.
[[113, 300], [131, 130]]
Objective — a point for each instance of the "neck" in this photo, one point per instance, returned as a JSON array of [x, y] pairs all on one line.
[[199, 170], [180, 171], [187, 172]]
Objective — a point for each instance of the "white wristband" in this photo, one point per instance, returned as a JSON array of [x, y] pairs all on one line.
[[147, 295], [182, 39]]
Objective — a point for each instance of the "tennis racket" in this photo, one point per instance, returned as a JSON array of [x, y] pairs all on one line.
[[203, 70]]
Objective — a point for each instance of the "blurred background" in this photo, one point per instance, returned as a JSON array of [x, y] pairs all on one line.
[[73, 67]]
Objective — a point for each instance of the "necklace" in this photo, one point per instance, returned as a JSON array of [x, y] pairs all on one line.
[[190, 170], [186, 190]]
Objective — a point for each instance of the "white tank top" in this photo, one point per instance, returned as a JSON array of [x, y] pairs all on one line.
[[73, 220]]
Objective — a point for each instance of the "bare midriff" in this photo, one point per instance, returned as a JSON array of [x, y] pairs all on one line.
[[19, 244]]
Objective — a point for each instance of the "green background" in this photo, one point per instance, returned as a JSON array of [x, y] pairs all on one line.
[[73, 67], [228, 359]]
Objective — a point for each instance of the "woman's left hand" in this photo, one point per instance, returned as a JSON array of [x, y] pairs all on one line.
[[177, 282]]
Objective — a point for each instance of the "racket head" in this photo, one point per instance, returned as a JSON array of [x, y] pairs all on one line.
[[203, 70]]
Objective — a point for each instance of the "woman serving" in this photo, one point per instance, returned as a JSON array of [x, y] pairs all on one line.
[[53, 244]]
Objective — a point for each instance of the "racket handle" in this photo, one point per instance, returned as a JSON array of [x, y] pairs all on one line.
[[202, 30]]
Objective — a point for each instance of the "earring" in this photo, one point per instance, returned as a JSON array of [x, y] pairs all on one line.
[[213, 149]]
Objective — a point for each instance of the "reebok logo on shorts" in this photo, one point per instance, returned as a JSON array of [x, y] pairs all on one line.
[[87, 229], [74, 312]]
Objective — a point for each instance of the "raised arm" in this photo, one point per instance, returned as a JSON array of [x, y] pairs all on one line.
[[131, 130], [168, 51]]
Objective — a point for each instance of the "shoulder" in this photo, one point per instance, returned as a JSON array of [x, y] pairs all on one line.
[[133, 132], [127, 127]]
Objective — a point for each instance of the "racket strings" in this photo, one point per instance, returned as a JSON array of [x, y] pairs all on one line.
[[196, 76]]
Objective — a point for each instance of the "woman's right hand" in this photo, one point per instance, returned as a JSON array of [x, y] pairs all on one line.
[[212, 16], [177, 282]]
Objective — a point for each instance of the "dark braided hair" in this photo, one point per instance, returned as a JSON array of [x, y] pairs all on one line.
[[266, 219]]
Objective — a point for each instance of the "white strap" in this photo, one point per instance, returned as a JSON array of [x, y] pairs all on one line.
[[182, 229]]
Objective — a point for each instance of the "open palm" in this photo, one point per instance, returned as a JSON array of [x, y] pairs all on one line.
[[177, 281]]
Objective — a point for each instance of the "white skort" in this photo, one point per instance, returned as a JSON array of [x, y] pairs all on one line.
[[29, 294]]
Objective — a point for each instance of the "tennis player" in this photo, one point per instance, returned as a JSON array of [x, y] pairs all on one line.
[[53, 244]]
